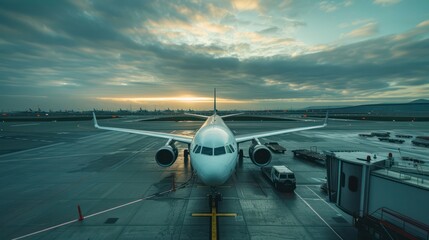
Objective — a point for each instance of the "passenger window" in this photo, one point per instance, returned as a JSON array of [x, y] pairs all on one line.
[[219, 151], [198, 149], [207, 151]]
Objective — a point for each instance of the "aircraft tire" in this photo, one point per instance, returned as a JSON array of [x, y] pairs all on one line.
[[186, 153]]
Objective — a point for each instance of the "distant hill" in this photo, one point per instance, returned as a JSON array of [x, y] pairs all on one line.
[[420, 101], [418, 107], [327, 107]]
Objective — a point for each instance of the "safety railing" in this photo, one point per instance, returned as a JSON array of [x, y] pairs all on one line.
[[401, 224]]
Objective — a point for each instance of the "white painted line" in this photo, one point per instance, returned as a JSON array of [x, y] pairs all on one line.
[[137, 120], [311, 185], [60, 156], [26, 124], [144, 149], [312, 199], [316, 179], [92, 215], [89, 138], [112, 189], [324, 201], [46, 229], [312, 209], [29, 150]]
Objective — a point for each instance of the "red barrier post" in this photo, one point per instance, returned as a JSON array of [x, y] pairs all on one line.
[[80, 213]]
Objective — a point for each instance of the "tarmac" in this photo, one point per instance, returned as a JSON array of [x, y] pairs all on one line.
[[47, 169]]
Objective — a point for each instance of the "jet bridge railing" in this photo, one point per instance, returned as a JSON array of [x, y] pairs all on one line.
[[404, 176], [401, 224]]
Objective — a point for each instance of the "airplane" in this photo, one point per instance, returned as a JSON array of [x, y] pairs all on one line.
[[214, 149]]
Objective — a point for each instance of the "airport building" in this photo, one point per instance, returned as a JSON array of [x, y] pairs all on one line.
[[366, 186]]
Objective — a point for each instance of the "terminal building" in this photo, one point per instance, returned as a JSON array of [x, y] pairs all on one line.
[[386, 203]]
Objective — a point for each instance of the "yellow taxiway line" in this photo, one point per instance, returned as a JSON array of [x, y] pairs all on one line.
[[214, 216]]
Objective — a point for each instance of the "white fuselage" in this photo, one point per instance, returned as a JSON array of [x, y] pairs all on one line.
[[214, 152]]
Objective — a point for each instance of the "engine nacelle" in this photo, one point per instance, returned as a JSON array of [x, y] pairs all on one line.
[[166, 156], [260, 155]]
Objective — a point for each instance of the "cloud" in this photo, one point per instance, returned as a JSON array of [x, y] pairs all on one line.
[[246, 5], [269, 30], [366, 30], [386, 2], [331, 6], [423, 24], [86, 50], [328, 6], [356, 22]]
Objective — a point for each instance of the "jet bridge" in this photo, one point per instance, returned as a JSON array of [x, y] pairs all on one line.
[[384, 202]]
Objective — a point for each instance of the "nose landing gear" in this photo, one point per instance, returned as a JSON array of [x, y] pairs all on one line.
[[214, 197]]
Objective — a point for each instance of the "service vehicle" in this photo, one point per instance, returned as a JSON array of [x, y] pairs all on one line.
[[275, 147], [281, 177]]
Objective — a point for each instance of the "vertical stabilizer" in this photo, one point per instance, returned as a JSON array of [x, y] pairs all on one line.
[[214, 104]]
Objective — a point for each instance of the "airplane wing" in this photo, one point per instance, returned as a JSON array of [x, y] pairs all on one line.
[[205, 117], [230, 115], [175, 137], [197, 115], [249, 137]]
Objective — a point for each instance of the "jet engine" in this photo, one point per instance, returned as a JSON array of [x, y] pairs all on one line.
[[260, 155], [166, 155]]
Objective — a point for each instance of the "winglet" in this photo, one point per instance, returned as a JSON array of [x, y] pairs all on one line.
[[326, 119], [95, 120]]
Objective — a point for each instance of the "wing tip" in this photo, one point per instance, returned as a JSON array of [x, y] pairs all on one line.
[[94, 118], [326, 119]]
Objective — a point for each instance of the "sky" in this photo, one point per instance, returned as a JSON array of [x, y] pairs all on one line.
[[274, 54]]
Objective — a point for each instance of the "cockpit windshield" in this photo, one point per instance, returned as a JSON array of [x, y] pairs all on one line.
[[214, 151], [219, 151], [207, 151], [197, 149]]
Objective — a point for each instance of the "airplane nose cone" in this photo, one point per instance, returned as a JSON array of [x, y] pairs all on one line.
[[214, 171], [214, 178]]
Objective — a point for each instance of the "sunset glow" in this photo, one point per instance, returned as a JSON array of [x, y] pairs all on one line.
[[172, 99], [171, 54]]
